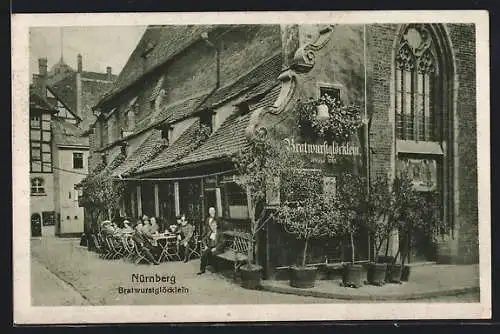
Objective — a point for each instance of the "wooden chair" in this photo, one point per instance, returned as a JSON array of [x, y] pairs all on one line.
[[138, 252], [99, 246], [193, 250], [128, 246], [170, 251]]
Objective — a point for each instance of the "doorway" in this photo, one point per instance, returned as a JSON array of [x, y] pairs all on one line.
[[36, 225]]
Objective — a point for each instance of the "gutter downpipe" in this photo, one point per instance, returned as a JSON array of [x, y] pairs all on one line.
[[367, 132]]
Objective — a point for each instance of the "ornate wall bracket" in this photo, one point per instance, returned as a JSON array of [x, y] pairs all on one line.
[[305, 58]]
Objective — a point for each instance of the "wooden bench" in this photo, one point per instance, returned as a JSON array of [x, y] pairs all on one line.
[[235, 248]]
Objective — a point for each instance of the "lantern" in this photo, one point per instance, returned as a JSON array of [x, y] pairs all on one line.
[[322, 112]]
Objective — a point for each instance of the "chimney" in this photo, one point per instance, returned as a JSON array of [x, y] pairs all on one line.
[[41, 81], [42, 67], [79, 63], [109, 73]]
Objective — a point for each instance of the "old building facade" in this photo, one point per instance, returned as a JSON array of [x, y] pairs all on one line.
[[59, 143], [189, 96]]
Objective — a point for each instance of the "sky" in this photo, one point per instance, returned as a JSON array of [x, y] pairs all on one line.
[[99, 46]]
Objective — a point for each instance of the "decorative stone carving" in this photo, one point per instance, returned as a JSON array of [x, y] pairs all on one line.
[[416, 50], [288, 85], [255, 127], [304, 58], [290, 41]]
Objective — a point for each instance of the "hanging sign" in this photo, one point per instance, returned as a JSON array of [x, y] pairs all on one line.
[[324, 149]]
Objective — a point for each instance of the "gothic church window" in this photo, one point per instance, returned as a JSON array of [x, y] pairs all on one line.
[[416, 82]]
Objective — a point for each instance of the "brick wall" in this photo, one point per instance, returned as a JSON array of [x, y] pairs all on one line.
[[380, 41], [94, 158], [194, 70], [463, 41], [240, 50], [462, 246]]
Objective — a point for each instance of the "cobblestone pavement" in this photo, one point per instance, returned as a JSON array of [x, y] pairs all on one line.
[[91, 280], [48, 289], [99, 280]]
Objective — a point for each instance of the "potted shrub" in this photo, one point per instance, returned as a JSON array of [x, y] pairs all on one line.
[[308, 218], [408, 214], [258, 166], [351, 192], [379, 222]]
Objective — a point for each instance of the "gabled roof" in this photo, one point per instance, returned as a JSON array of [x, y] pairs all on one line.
[[98, 76], [140, 155], [39, 102], [261, 76], [172, 112], [231, 136], [67, 134], [182, 146], [56, 98], [257, 81], [65, 90], [163, 43]]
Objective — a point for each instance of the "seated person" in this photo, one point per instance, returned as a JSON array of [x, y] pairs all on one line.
[[126, 227], [149, 230], [139, 225], [143, 242], [107, 228], [154, 227]]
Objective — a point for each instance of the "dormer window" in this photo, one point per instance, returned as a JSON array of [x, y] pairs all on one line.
[[207, 121], [167, 133], [104, 159], [123, 148]]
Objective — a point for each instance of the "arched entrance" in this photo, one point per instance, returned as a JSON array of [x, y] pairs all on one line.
[[36, 225]]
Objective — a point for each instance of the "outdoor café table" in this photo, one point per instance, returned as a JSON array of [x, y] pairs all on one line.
[[169, 246]]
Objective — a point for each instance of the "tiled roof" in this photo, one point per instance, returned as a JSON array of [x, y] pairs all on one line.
[[268, 99], [229, 138], [166, 42], [259, 80], [261, 76], [65, 90], [66, 133], [88, 122], [39, 102], [142, 152], [172, 112], [97, 76], [182, 146]]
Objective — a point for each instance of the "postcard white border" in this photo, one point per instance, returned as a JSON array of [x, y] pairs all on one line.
[[24, 313]]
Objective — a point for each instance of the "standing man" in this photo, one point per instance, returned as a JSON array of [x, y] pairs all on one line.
[[186, 232], [209, 240]]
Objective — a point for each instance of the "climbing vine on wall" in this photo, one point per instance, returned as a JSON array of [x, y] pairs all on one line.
[[101, 192], [340, 123]]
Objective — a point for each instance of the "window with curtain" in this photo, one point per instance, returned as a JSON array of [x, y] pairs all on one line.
[[416, 82]]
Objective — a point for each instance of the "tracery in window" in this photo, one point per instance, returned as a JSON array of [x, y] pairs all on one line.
[[415, 82]]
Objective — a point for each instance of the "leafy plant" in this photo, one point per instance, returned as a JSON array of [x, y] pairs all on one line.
[[341, 123], [380, 219], [315, 216], [259, 166], [101, 192], [351, 190]]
